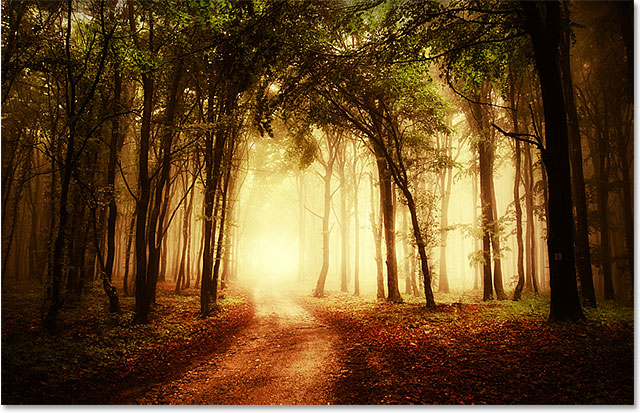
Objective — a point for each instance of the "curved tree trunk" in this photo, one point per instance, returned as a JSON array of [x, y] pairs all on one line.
[[517, 293], [322, 277]]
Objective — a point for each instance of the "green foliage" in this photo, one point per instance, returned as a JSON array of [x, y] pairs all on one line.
[[479, 42]]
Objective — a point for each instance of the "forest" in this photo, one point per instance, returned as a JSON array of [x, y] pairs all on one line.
[[317, 202]]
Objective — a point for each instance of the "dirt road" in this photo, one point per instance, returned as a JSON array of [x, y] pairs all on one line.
[[285, 357]]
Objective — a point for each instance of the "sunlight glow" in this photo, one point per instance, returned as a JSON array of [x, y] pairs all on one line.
[[274, 256]]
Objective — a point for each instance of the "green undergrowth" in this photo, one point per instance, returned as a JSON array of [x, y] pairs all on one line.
[[92, 342], [452, 308]]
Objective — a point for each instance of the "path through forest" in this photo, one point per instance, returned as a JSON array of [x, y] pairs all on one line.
[[285, 357]]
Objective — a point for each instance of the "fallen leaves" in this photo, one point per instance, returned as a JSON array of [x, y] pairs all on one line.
[[503, 353]]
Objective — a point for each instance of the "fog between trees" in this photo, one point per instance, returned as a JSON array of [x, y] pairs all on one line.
[[363, 147]]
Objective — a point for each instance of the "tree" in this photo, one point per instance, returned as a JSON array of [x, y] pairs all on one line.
[[503, 24], [583, 256], [81, 83], [332, 140], [543, 23]]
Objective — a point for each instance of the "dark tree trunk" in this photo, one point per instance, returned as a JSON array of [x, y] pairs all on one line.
[[388, 216], [143, 301], [517, 293], [183, 266], [127, 254], [487, 219], [116, 139], [209, 197], [422, 253], [542, 20], [583, 256], [226, 260], [223, 217], [530, 235], [601, 166], [156, 224]]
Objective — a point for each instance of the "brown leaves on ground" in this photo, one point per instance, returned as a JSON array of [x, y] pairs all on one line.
[[100, 358], [497, 353]]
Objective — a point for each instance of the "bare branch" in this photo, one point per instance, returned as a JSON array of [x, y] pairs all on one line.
[[475, 101], [519, 137], [305, 207]]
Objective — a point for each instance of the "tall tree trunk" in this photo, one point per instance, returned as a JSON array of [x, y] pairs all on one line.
[[228, 172], [213, 164], [487, 220], [183, 266], [116, 139], [386, 196], [143, 301], [581, 228], [422, 253], [322, 277], [130, 232], [601, 164], [161, 199], [344, 221], [445, 195], [356, 219], [542, 21], [530, 236], [517, 293], [376, 226], [476, 246], [231, 201], [408, 252], [209, 197], [497, 250]]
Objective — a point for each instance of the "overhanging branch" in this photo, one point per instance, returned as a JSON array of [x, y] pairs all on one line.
[[521, 137]]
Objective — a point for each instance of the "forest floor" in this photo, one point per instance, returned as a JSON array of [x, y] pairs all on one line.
[[470, 352], [101, 358], [271, 347]]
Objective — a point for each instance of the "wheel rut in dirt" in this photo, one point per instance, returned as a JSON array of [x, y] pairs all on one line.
[[284, 357]]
